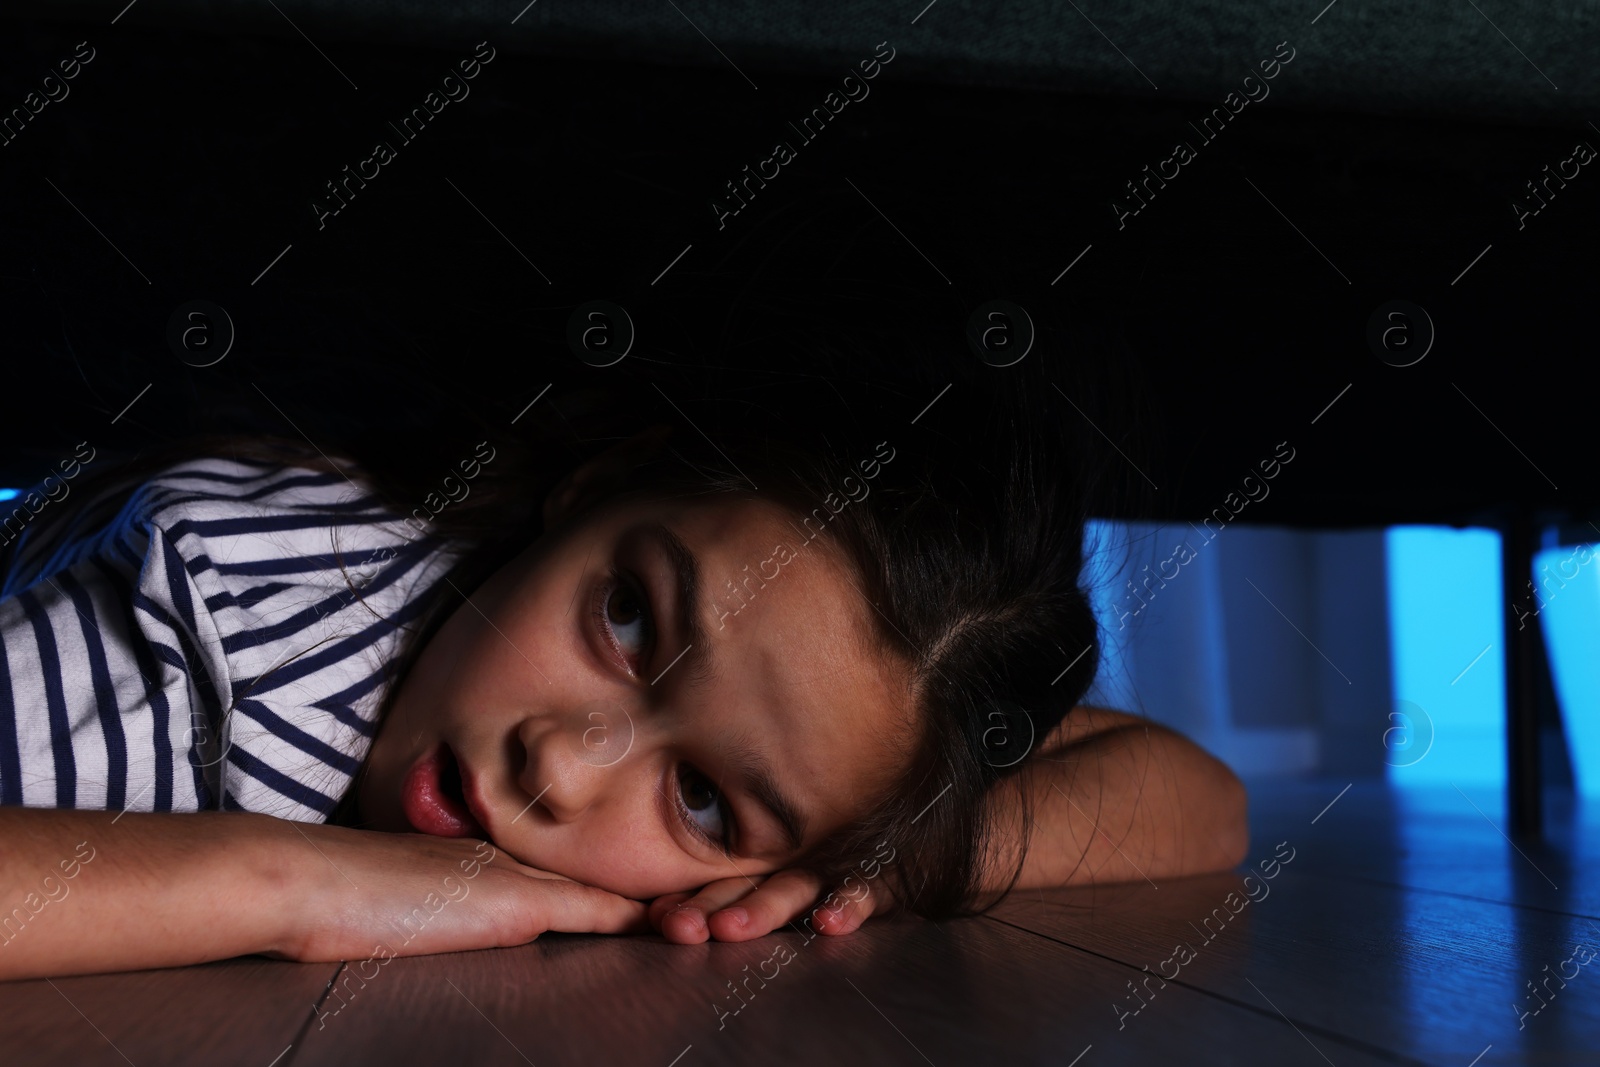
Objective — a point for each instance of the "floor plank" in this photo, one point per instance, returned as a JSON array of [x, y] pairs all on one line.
[[1424, 976], [245, 1011], [1438, 838], [898, 992], [1405, 922]]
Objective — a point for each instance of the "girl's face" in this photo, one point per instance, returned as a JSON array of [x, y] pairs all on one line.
[[598, 710]]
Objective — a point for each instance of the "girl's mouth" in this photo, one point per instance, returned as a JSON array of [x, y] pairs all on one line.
[[434, 800]]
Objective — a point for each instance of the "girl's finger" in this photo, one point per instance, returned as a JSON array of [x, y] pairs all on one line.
[[574, 908], [782, 897], [685, 924], [663, 904], [841, 915]]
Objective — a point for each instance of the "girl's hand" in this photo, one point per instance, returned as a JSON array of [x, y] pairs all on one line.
[[381, 894], [738, 909], [108, 891]]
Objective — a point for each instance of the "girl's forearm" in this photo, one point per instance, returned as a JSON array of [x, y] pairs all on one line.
[[1128, 802], [89, 891]]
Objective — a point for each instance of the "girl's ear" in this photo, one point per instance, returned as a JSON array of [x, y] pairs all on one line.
[[602, 476]]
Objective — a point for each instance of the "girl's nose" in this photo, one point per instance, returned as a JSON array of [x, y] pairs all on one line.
[[570, 761]]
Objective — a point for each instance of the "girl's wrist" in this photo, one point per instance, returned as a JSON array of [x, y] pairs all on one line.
[[288, 886]]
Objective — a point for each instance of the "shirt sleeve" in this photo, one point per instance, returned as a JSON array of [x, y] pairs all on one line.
[[224, 641]]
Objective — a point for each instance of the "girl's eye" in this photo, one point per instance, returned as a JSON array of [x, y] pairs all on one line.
[[627, 618], [703, 807]]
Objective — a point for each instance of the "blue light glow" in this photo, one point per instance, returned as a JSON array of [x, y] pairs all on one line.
[[1569, 592], [1447, 643], [8, 494]]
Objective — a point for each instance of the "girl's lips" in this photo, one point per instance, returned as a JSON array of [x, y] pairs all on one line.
[[433, 808]]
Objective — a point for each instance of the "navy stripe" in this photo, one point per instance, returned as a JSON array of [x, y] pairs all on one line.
[[198, 670], [269, 524], [191, 664], [404, 562], [295, 481], [298, 792], [178, 584], [310, 664], [204, 797], [351, 694], [160, 729], [287, 731], [187, 471], [55, 701], [149, 670], [346, 714], [293, 477], [10, 755], [311, 661], [326, 561], [186, 658], [341, 704], [105, 694], [368, 503], [288, 627], [247, 599], [174, 659], [148, 498]]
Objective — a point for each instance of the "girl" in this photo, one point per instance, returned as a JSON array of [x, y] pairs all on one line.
[[258, 698]]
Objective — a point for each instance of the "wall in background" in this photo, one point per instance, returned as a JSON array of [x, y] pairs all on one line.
[[1448, 647], [1366, 654], [1569, 609], [1267, 646]]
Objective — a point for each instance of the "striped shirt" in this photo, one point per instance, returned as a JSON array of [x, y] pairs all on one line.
[[219, 636]]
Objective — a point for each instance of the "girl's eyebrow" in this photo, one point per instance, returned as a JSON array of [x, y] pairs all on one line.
[[754, 769], [756, 774], [686, 568]]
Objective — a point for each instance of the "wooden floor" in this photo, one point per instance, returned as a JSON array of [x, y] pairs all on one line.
[[1403, 928]]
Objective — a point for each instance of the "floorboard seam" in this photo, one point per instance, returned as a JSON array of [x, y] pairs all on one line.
[[1350, 1042], [300, 1034], [1445, 893]]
